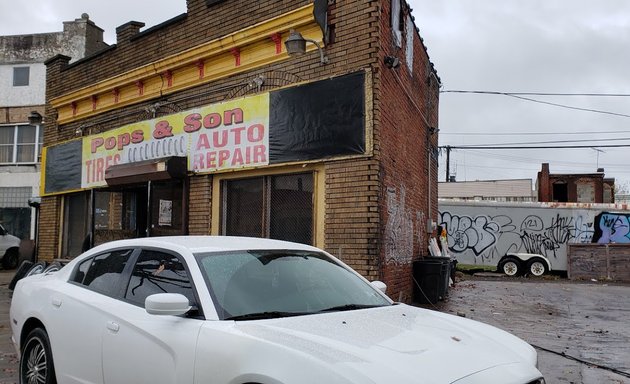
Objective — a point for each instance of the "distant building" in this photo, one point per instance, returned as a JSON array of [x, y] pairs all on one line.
[[575, 188], [515, 190], [23, 91]]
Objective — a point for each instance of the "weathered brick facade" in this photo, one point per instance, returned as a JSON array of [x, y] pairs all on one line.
[[376, 205]]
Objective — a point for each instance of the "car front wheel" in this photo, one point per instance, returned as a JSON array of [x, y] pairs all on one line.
[[36, 363]]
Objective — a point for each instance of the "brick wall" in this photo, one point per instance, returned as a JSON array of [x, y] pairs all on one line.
[[13, 115], [352, 220], [406, 107], [49, 218], [367, 220]]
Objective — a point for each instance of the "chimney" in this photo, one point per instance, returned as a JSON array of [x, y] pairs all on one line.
[[544, 188], [127, 31]]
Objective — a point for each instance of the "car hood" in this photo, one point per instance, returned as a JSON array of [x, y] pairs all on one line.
[[400, 343]]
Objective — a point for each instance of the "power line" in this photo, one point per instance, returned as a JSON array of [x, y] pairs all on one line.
[[527, 133], [516, 95], [535, 147], [559, 141], [538, 93]]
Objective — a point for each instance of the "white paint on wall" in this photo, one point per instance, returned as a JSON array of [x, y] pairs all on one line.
[[33, 94], [399, 230]]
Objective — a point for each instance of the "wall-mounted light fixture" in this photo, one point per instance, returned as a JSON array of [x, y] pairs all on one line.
[[392, 62], [34, 118], [296, 45]]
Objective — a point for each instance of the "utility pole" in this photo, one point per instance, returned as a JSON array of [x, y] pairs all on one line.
[[448, 163]]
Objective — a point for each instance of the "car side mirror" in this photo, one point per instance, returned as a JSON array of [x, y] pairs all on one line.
[[3, 231], [173, 304], [379, 285]]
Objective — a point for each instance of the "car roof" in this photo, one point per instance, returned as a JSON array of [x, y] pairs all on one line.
[[197, 244]]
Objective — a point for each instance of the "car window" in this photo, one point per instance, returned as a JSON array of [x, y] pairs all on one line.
[[158, 272], [102, 273], [298, 282]]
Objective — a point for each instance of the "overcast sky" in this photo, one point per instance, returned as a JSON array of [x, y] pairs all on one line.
[[510, 46]]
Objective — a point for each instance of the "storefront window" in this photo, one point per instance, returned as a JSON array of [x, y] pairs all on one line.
[[278, 207]]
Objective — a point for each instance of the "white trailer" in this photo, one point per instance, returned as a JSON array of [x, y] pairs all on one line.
[[482, 233]]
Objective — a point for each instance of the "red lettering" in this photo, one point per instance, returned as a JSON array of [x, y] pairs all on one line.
[[198, 161], [212, 120], [255, 133], [123, 140], [211, 158], [237, 157], [238, 134], [234, 116], [202, 142], [217, 141], [192, 122], [162, 129], [223, 156], [88, 169], [110, 143], [260, 154], [137, 136], [96, 143], [100, 168]]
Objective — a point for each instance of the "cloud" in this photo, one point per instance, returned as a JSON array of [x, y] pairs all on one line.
[[529, 46]]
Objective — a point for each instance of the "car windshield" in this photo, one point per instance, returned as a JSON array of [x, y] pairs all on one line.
[[249, 285]]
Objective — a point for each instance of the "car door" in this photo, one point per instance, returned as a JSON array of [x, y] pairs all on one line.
[[79, 314], [143, 348]]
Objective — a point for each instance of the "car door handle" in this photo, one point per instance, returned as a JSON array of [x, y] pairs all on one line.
[[114, 327], [56, 302]]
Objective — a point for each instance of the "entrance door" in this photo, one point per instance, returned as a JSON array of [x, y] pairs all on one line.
[[120, 213]]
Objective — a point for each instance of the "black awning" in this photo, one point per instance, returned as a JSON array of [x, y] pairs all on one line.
[[148, 170]]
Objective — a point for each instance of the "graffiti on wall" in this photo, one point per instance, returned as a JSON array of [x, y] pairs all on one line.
[[612, 228], [491, 237], [399, 232]]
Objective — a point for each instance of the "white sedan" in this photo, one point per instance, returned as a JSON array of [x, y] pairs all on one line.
[[242, 310]]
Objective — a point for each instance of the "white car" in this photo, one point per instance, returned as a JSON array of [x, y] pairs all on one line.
[[242, 310], [9, 249]]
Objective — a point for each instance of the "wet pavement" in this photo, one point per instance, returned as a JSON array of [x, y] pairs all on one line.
[[8, 357], [588, 321]]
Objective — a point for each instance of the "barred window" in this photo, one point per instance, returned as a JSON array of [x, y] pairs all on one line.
[[278, 207]]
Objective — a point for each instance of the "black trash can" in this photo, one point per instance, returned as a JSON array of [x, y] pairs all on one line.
[[431, 276]]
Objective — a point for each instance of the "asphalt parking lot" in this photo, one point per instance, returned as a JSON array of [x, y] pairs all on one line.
[[8, 357], [586, 321], [581, 329]]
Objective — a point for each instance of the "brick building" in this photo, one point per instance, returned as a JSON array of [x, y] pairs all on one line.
[[205, 124], [22, 91], [574, 188]]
